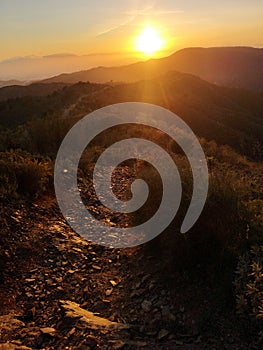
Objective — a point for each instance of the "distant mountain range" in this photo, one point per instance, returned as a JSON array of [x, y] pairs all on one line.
[[32, 68], [220, 96], [4, 83], [226, 115], [237, 67], [35, 89]]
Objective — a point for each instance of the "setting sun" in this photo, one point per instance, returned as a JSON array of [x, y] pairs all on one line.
[[149, 41]]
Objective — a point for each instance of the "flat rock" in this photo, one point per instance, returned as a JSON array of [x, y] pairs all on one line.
[[109, 292], [73, 310], [48, 330]]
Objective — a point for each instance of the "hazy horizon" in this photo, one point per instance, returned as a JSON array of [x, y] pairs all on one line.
[[33, 68], [40, 40]]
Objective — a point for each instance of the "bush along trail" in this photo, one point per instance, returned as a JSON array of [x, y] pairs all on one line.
[[59, 291]]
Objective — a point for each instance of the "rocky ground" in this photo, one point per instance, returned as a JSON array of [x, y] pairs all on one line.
[[59, 291]]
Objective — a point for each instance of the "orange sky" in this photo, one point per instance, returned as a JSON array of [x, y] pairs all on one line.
[[109, 28]]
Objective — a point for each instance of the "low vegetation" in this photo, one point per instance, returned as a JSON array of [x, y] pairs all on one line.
[[23, 174], [228, 235]]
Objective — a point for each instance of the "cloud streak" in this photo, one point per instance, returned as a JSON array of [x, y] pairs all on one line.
[[118, 26], [133, 14]]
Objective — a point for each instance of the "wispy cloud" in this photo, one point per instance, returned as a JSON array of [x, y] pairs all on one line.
[[118, 26], [168, 12], [133, 14]]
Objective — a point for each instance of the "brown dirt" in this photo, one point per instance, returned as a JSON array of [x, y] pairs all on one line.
[[44, 262]]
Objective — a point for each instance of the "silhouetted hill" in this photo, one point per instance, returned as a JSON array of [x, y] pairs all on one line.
[[229, 116], [239, 67], [14, 112], [36, 89], [4, 83]]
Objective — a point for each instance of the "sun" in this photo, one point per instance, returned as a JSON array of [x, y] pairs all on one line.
[[149, 41]]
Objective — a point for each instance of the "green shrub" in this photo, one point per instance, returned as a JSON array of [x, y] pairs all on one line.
[[46, 135], [32, 176], [220, 231], [21, 173], [8, 180], [255, 229], [249, 284], [225, 216]]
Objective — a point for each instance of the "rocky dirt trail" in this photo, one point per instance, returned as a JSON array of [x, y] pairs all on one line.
[[59, 291]]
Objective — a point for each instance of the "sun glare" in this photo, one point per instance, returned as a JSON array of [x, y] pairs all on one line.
[[149, 41]]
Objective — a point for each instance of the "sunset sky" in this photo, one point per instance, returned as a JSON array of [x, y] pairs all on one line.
[[109, 28]]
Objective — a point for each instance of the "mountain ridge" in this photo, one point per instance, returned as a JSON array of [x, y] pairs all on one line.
[[226, 115], [238, 67]]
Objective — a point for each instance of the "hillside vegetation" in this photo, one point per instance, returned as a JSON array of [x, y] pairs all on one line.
[[203, 290], [228, 116]]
